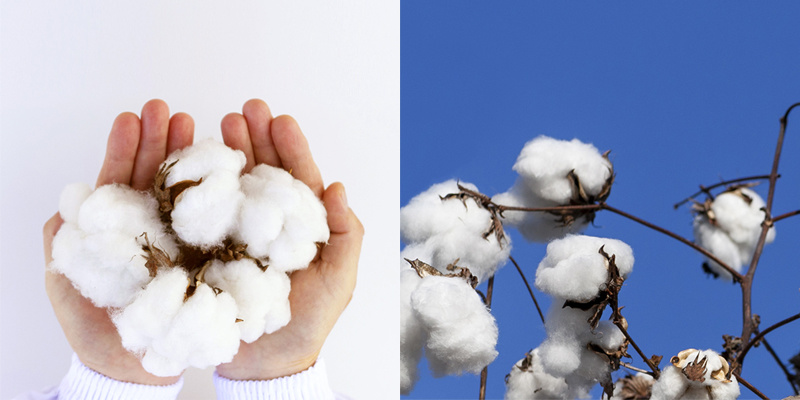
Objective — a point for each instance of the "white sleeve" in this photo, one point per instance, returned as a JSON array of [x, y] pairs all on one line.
[[84, 383], [310, 384]]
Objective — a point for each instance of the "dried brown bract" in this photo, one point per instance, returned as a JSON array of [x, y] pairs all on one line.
[[156, 258], [635, 387], [424, 270], [166, 196], [485, 202]]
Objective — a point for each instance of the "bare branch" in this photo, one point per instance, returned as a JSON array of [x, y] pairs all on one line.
[[789, 376], [656, 372], [485, 372], [756, 338], [705, 189], [751, 387], [786, 215], [536, 303], [737, 277]]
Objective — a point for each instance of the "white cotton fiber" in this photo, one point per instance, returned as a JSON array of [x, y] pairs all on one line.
[[462, 332], [543, 167], [262, 297], [545, 162], [204, 158], [453, 230], [412, 333], [281, 219], [574, 269], [731, 229], [69, 204], [670, 385], [204, 215], [101, 251], [533, 383]]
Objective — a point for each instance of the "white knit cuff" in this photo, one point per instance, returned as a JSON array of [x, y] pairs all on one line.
[[306, 385], [84, 383]]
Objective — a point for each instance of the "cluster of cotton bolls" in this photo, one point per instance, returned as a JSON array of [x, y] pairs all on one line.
[[696, 374], [556, 173], [440, 309], [729, 227], [574, 356], [197, 264]]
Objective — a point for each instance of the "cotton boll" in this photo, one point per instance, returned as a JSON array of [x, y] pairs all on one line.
[[574, 269], [72, 197], [454, 230], [531, 382], [203, 333], [202, 159], [720, 245], [412, 333], [462, 332], [640, 384], [725, 391], [205, 214], [566, 328], [544, 164], [120, 209], [262, 297], [670, 385], [281, 219], [148, 317], [107, 268], [560, 356], [607, 335]]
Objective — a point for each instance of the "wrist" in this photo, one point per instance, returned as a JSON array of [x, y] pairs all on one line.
[[244, 367], [128, 369]]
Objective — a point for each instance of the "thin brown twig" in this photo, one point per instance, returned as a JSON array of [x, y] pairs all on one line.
[[789, 376], [705, 189], [786, 215], [751, 387], [756, 338], [536, 303], [737, 277], [485, 371], [748, 326], [637, 369], [656, 372]]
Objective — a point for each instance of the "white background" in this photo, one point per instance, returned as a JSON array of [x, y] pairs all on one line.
[[68, 68]]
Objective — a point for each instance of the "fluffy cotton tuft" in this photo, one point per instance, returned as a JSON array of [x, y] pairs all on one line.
[[173, 264], [462, 332], [544, 166], [413, 334], [281, 219], [205, 214], [528, 380], [452, 230], [730, 229], [574, 269]]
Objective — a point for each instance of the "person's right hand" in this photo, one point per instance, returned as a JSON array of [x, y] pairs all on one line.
[[135, 149]]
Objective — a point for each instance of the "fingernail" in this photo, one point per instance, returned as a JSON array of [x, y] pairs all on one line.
[[344, 198]]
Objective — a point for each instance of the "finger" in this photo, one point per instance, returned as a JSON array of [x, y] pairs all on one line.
[[181, 132], [342, 252], [121, 150], [236, 136], [294, 153], [48, 233], [259, 117], [153, 144]]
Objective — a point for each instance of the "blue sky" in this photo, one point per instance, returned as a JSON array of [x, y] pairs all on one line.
[[682, 93]]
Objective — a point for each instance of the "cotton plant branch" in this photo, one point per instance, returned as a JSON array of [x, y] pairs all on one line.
[[752, 342], [785, 215], [707, 189], [750, 387], [528, 286], [789, 376]]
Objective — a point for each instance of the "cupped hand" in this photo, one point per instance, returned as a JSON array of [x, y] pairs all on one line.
[[319, 293], [135, 149]]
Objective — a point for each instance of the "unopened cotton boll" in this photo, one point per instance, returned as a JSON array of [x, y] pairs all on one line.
[[281, 219], [262, 297], [462, 332], [574, 269], [544, 163], [528, 380], [454, 230]]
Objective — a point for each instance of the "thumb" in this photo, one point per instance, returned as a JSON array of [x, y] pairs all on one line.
[[344, 246], [48, 232]]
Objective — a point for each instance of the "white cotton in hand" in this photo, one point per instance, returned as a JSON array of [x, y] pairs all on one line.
[[574, 269], [72, 197], [462, 332], [262, 297], [280, 219], [453, 230], [544, 163]]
